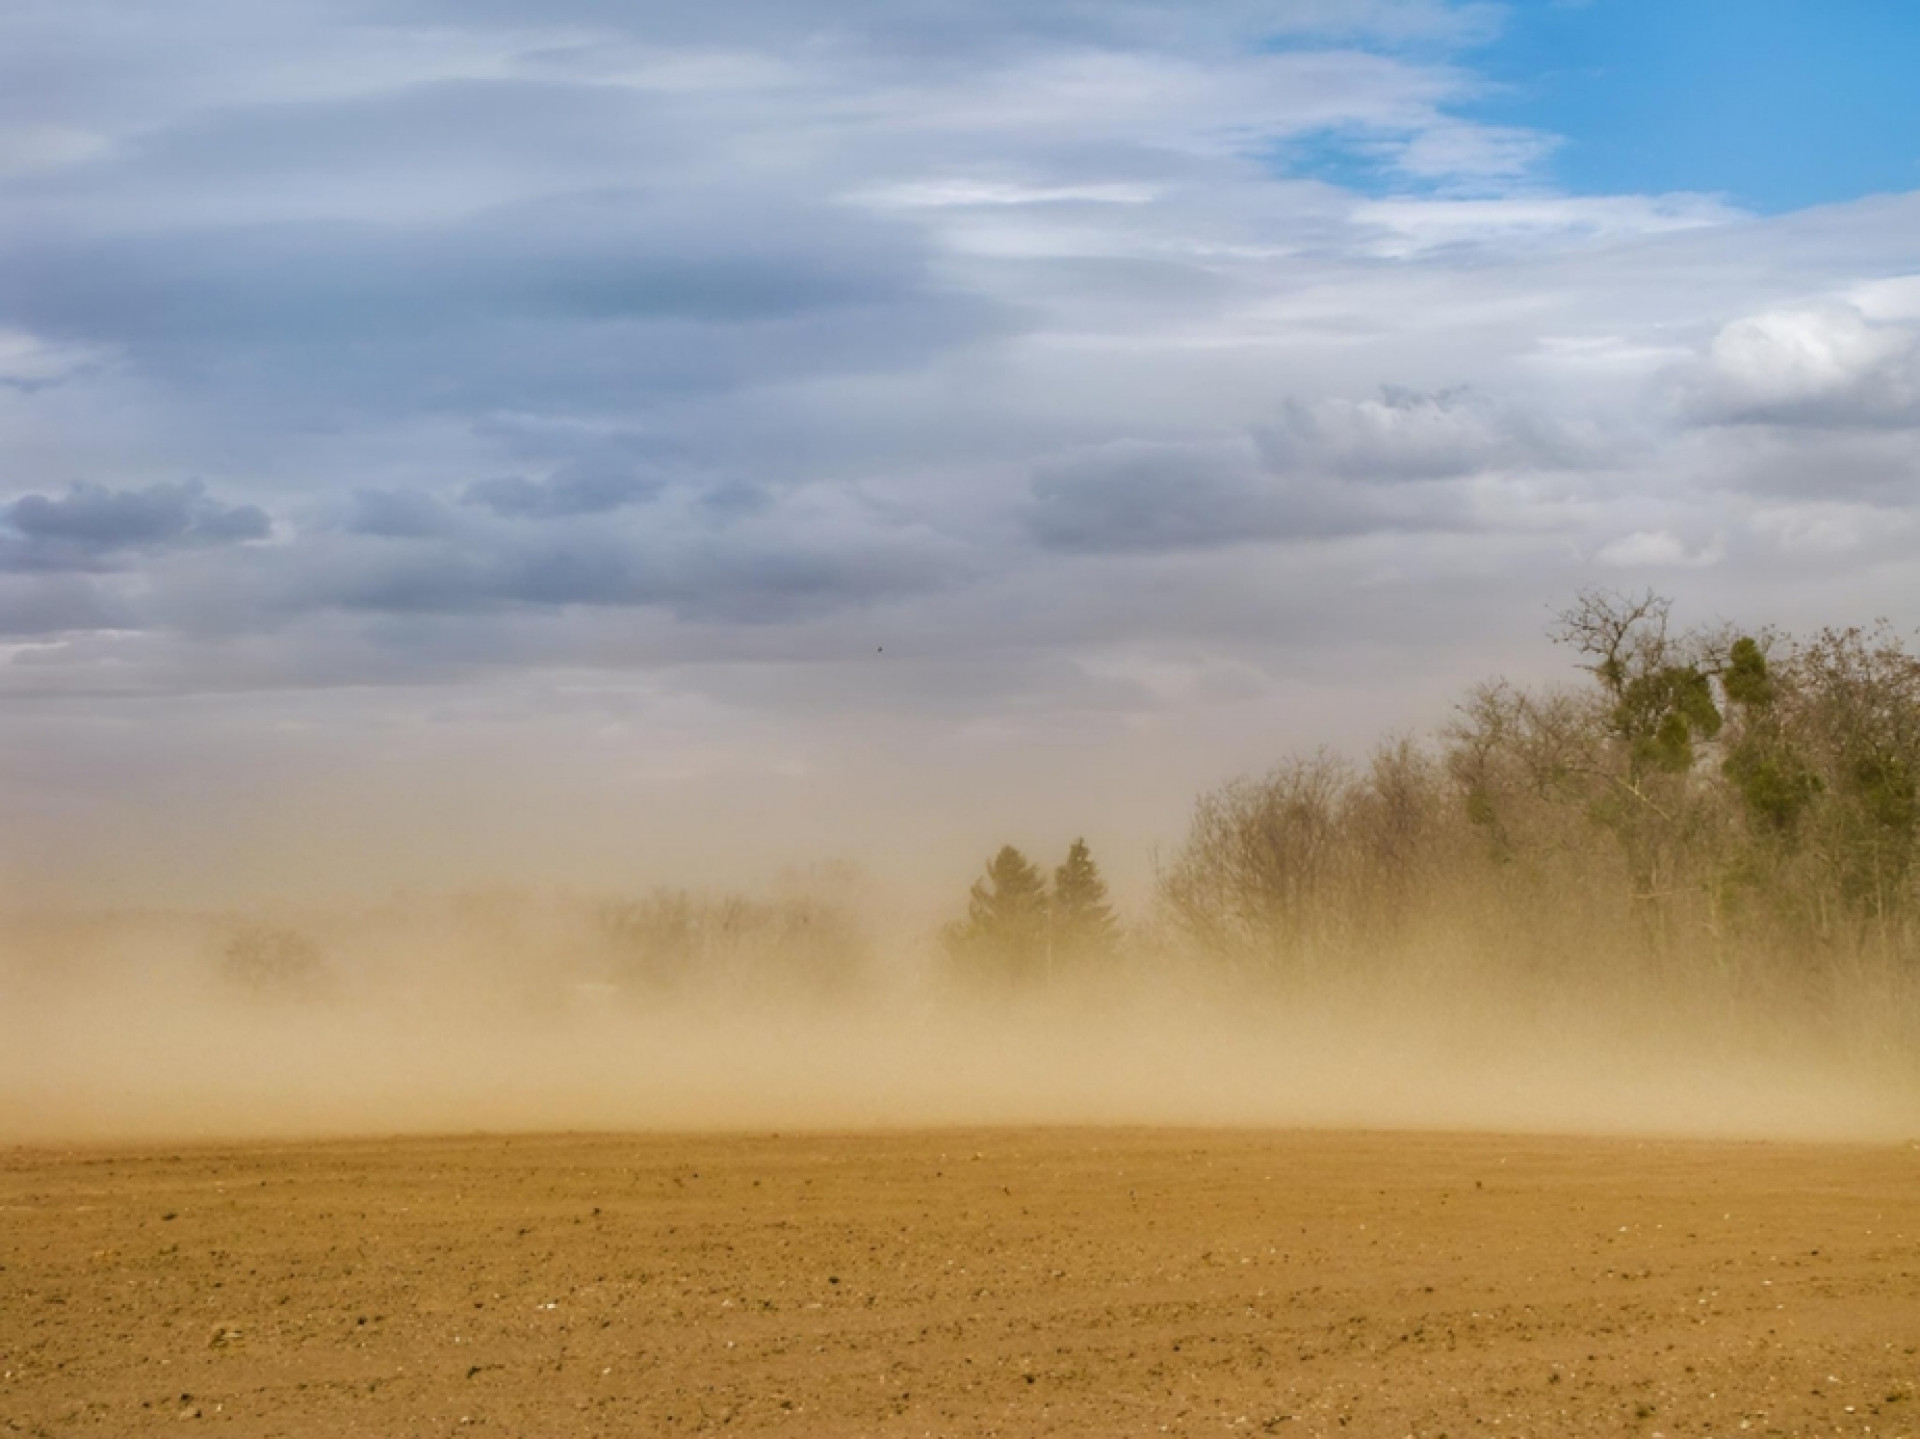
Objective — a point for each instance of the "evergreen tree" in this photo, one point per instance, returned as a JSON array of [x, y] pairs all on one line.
[[1005, 931], [1083, 922]]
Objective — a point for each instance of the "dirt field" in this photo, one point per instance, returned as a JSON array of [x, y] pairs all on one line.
[[961, 1283]]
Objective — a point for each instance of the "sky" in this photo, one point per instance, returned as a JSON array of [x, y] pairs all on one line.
[[454, 441]]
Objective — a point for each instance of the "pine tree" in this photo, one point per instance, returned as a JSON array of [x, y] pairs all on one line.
[[1005, 931], [1083, 922]]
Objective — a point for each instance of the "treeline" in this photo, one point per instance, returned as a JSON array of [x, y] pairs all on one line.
[[1710, 805], [672, 941], [811, 939], [1732, 812]]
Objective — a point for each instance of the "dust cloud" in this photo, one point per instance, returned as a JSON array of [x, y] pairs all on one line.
[[517, 1012]]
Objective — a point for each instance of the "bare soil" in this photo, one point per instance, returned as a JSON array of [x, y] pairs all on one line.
[[1022, 1282]]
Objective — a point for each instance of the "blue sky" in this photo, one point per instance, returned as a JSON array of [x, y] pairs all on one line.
[[549, 412], [1775, 104], [1779, 104]]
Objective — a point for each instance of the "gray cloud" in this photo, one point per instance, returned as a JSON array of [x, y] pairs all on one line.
[[40, 606], [403, 556], [702, 581], [398, 515], [576, 489], [932, 30], [1148, 498], [585, 302], [735, 499], [1402, 435], [455, 138], [91, 524], [596, 257]]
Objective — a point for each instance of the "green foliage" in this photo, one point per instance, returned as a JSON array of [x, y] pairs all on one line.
[[1884, 786], [1746, 679], [1713, 800], [1773, 784], [1850, 701], [1662, 713], [1773, 780]]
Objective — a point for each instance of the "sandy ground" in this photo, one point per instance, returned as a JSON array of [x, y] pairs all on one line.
[[959, 1283]]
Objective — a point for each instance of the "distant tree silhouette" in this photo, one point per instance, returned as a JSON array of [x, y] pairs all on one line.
[[1004, 935], [275, 964], [674, 939], [1083, 921]]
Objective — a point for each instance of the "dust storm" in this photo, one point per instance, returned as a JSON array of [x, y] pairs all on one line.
[[387, 1173], [1678, 897], [518, 1013], [1556, 1071]]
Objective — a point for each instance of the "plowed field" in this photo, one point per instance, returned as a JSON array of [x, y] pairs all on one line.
[[960, 1283]]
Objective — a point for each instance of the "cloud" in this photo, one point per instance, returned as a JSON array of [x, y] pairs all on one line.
[[1400, 435], [1827, 365], [936, 30], [1403, 228], [752, 583], [1326, 469], [402, 556], [27, 149], [1659, 550], [576, 489], [1452, 152], [40, 606], [604, 257], [1144, 498], [632, 336], [28, 363], [91, 524], [1825, 528], [580, 302], [398, 515]]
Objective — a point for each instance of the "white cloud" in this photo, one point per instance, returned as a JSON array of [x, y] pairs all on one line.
[[28, 360], [1659, 550], [1404, 435], [1825, 528], [1894, 298], [1824, 364], [1476, 155], [1408, 227], [941, 194]]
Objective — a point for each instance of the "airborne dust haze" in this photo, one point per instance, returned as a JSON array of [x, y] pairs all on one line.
[[512, 1012], [1679, 899]]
